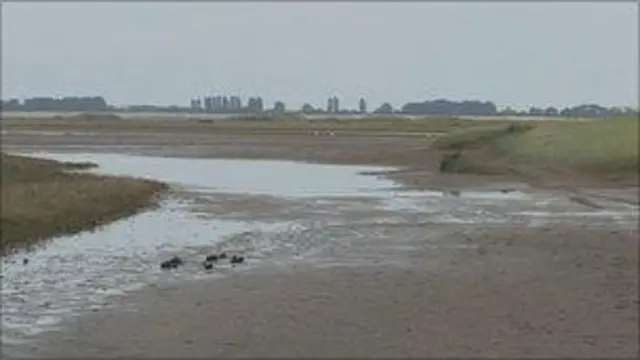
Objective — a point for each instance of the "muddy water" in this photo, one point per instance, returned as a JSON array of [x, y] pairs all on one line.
[[276, 213]]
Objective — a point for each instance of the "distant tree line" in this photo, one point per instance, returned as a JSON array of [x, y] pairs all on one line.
[[222, 104], [487, 108], [446, 107], [233, 104], [72, 103], [443, 107]]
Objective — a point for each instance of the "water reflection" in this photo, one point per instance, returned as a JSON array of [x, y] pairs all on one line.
[[265, 177]]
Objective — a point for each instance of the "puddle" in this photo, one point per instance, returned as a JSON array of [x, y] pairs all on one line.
[[273, 212]]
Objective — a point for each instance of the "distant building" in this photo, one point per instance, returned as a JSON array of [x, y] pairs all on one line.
[[259, 104]]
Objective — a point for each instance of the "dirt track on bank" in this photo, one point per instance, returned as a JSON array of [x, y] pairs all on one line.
[[558, 291]]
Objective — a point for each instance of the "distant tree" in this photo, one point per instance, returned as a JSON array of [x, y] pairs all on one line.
[[447, 107], [551, 111], [330, 105], [217, 103], [259, 104], [87, 103], [362, 105], [235, 103], [255, 104], [535, 111], [508, 111], [623, 111], [11, 105], [279, 107], [252, 105], [208, 104], [307, 108], [385, 108], [585, 110]]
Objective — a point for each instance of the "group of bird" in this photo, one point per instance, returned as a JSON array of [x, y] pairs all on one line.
[[208, 262]]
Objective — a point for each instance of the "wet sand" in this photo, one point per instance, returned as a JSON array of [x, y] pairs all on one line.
[[533, 293]]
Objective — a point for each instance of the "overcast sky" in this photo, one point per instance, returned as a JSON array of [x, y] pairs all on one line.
[[165, 53]]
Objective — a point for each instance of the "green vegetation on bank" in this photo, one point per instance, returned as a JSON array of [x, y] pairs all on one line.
[[606, 147], [43, 199], [609, 145], [480, 135]]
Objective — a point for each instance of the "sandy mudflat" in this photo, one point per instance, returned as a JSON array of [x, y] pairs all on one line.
[[569, 291], [561, 292]]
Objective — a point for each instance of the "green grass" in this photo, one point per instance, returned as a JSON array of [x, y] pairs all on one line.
[[604, 147], [479, 135], [41, 199]]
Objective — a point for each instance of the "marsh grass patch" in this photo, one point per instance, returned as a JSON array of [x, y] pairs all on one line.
[[43, 199], [604, 148], [480, 135], [608, 146]]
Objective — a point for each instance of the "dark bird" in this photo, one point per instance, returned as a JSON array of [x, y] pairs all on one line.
[[172, 263], [223, 255], [207, 265], [236, 259], [212, 257], [25, 261]]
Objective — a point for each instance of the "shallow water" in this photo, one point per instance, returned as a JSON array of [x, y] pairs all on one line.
[[273, 212], [74, 274], [276, 178]]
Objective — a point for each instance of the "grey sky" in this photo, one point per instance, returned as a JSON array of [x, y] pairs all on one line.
[[164, 53]]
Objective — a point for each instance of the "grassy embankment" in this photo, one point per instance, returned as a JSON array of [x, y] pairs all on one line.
[[604, 149], [40, 199]]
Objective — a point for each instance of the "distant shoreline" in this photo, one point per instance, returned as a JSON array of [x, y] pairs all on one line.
[[187, 115]]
